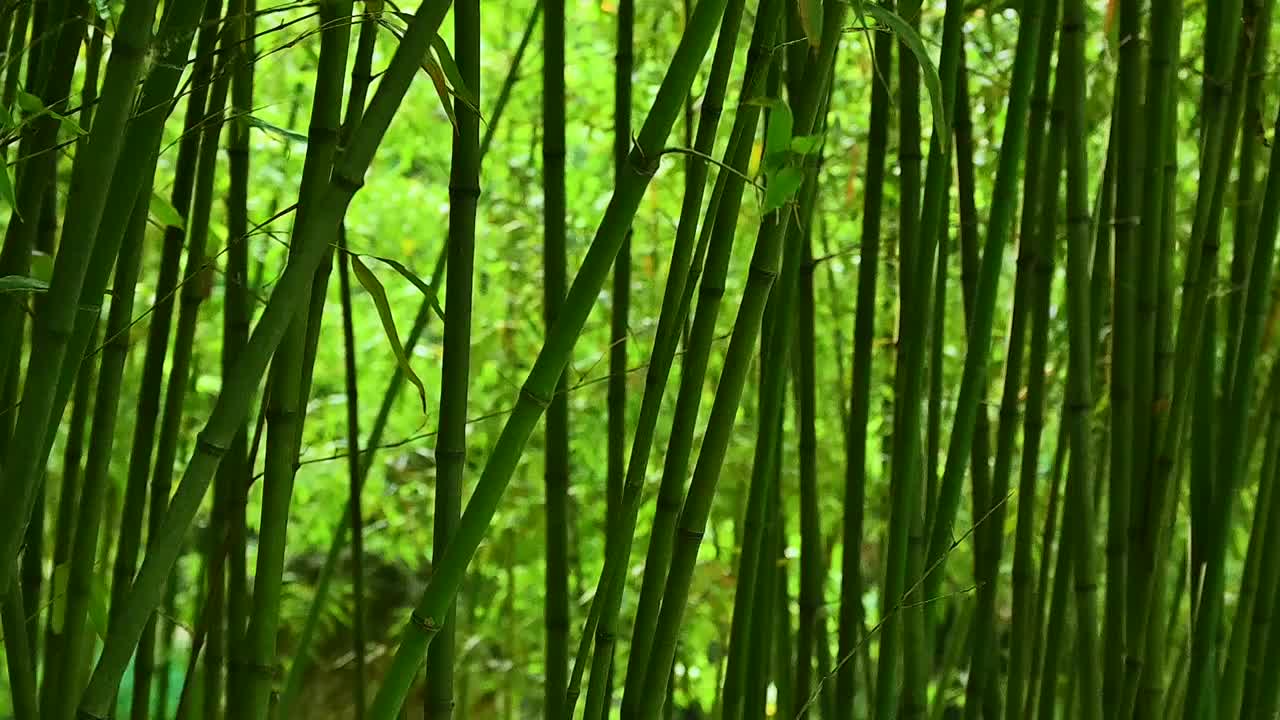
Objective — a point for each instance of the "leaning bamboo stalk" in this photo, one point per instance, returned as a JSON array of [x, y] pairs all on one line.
[[232, 404], [191, 296], [302, 657], [53, 326], [686, 267], [551, 361]]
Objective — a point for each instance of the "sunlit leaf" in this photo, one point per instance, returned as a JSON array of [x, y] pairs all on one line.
[[782, 188], [379, 295], [30, 103], [779, 133], [164, 212], [423, 286], [811, 20], [806, 144]]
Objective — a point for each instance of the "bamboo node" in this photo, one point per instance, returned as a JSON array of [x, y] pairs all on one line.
[[209, 447]]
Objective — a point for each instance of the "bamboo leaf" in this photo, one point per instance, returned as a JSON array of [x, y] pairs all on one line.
[[283, 133], [780, 124], [30, 103], [928, 71], [456, 82], [424, 287], [165, 213], [379, 295], [811, 20], [22, 283], [782, 187], [806, 144], [433, 69], [103, 9]]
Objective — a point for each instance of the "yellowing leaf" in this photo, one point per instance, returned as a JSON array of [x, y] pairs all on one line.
[[379, 295], [811, 20]]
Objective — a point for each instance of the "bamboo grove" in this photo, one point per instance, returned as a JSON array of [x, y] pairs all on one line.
[[699, 359]]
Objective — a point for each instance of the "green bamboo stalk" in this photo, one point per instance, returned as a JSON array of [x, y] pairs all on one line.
[[1125, 376], [464, 192], [620, 303], [1039, 224], [54, 324], [69, 499], [1201, 264], [290, 371], [556, 472], [687, 265], [1235, 429], [360, 79], [190, 298], [851, 618], [764, 268], [1256, 687], [1056, 633], [812, 564], [1080, 369], [50, 66], [550, 363], [1003, 206], [235, 471], [92, 499], [1219, 133], [147, 411], [312, 241], [1152, 331], [1030, 247], [293, 683], [22, 677]]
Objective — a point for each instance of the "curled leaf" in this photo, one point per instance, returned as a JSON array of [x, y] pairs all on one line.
[[811, 20], [165, 213], [911, 39], [379, 295]]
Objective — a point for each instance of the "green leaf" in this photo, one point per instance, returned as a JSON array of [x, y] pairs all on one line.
[[165, 213], [283, 133], [432, 67], [450, 68], [811, 20], [69, 125], [782, 188], [806, 144], [103, 8], [929, 72], [379, 295], [30, 103], [22, 283], [779, 133], [423, 287], [6, 189]]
